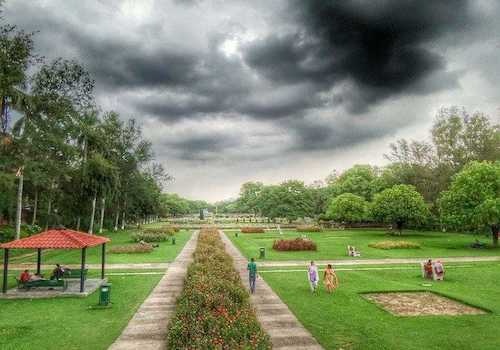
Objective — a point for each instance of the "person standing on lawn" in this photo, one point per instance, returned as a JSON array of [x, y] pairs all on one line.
[[330, 279], [252, 274], [312, 274]]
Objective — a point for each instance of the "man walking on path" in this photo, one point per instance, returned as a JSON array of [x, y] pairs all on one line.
[[252, 274]]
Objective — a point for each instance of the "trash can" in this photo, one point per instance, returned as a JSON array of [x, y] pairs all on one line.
[[236, 234], [262, 253], [173, 240], [105, 294]]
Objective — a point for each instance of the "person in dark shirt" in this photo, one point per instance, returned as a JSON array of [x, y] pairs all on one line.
[[252, 274]]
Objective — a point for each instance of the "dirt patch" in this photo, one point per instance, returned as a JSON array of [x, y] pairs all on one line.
[[421, 304]]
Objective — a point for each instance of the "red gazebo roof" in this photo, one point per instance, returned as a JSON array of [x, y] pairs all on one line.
[[57, 239]]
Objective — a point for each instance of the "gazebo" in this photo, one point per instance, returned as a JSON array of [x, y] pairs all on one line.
[[55, 239]]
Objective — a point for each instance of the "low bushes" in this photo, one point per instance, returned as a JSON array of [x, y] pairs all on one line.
[[308, 228], [131, 248], [394, 245], [214, 311], [252, 230], [150, 237], [168, 230], [294, 244]]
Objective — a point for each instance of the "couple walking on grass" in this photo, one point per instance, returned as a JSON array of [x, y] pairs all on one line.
[[329, 278]]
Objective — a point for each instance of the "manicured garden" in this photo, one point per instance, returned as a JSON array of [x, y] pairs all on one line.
[[214, 311], [346, 320], [165, 252], [72, 323], [333, 244]]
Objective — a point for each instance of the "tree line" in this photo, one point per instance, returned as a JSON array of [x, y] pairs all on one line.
[[450, 182], [63, 161]]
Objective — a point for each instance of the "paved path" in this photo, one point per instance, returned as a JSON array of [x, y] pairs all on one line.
[[147, 330], [375, 261], [127, 266], [285, 330]]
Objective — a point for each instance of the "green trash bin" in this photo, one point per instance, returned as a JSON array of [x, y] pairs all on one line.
[[262, 253], [236, 234], [173, 240], [105, 294]]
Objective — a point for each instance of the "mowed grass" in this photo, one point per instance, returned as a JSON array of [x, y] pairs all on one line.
[[333, 244], [71, 323], [166, 252], [347, 321]]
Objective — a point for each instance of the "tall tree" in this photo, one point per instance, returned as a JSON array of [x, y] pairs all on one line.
[[472, 202]]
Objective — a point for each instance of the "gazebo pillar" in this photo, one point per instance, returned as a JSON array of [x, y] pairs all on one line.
[[103, 259], [82, 274], [38, 260], [5, 269]]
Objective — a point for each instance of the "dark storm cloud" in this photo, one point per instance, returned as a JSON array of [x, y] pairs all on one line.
[[379, 45]]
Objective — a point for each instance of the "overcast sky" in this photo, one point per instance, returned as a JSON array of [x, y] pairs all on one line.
[[232, 91]]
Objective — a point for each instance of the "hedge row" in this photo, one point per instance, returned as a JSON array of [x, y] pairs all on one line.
[[308, 228], [131, 248], [252, 230], [214, 311], [294, 244]]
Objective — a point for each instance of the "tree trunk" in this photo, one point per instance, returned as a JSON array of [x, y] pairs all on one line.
[[19, 210], [101, 223], [117, 219], [494, 234], [92, 215], [49, 210], [123, 220], [399, 226], [35, 208], [78, 221]]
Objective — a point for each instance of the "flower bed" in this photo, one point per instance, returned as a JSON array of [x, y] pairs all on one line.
[[214, 311], [252, 230], [308, 228], [131, 248], [294, 244], [394, 245]]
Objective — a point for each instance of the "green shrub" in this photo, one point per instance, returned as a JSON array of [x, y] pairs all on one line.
[[168, 230], [8, 233], [131, 248], [214, 311], [394, 245], [150, 237], [308, 228]]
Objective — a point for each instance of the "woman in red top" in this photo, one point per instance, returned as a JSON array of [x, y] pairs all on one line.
[[25, 276]]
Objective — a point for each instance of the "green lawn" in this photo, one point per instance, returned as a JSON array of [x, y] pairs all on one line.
[[166, 252], [70, 323], [347, 321], [333, 244]]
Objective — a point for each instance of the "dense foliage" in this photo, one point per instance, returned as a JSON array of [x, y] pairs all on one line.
[[400, 205], [348, 208], [473, 200], [214, 311], [61, 161]]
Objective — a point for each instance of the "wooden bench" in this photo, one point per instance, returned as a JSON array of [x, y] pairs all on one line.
[[75, 273], [42, 284]]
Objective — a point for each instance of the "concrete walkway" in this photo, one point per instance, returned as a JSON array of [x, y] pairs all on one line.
[[147, 330], [390, 261], [125, 266], [276, 319]]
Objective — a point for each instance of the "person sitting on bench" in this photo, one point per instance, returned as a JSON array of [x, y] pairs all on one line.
[[57, 273], [36, 277], [25, 276], [351, 251]]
